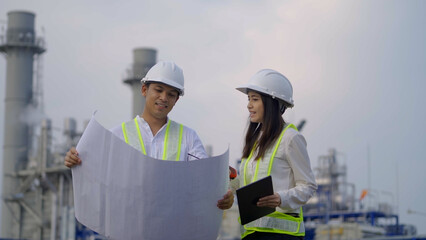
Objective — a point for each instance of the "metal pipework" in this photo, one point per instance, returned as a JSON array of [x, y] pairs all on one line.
[[143, 60], [20, 47]]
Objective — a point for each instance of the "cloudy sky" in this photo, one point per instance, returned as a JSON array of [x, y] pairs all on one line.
[[357, 69]]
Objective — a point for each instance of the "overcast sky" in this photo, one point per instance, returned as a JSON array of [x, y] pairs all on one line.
[[357, 69]]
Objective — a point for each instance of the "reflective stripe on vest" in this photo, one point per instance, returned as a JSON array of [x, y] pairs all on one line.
[[276, 222], [172, 138]]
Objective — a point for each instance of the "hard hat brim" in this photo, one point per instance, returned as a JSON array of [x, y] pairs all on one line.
[[245, 88], [170, 83]]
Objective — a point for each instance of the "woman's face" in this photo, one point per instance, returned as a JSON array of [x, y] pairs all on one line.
[[255, 107]]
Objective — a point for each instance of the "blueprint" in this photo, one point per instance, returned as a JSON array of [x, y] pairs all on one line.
[[122, 194]]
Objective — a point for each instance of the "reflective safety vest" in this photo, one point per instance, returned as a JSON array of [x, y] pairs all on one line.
[[278, 221], [172, 139]]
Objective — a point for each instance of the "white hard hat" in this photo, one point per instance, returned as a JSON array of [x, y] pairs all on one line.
[[272, 83], [168, 73]]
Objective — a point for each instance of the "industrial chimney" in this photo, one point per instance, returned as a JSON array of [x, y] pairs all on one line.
[[20, 46], [144, 59]]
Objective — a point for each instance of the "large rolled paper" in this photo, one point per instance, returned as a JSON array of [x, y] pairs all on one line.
[[123, 194]]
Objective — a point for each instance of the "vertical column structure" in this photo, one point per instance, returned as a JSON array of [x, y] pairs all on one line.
[[143, 60], [20, 47]]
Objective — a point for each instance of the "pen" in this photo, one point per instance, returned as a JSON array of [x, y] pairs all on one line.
[[193, 156]]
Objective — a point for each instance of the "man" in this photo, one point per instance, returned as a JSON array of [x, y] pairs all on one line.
[[153, 133]]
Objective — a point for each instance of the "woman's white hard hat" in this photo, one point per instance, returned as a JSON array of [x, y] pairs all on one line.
[[272, 83], [168, 73]]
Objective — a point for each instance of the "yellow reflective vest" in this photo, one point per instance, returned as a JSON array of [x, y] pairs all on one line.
[[276, 222], [172, 139]]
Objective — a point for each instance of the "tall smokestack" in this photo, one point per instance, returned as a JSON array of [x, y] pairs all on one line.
[[143, 60], [20, 47]]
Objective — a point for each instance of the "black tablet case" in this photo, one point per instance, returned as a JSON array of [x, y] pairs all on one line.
[[249, 195]]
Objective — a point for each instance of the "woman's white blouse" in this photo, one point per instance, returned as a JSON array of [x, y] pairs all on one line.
[[291, 173]]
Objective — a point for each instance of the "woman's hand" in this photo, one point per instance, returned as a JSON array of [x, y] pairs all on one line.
[[271, 201], [72, 159], [227, 201]]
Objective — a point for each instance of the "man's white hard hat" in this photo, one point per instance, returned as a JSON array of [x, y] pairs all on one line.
[[272, 83], [168, 73]]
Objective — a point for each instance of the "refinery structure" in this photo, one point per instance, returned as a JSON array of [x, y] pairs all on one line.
[[30, 195], [37, 197]]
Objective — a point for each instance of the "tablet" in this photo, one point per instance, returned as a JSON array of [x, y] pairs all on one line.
[[249, 195]]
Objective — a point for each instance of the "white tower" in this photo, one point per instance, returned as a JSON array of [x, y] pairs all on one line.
[[20, 48], [143, 60]]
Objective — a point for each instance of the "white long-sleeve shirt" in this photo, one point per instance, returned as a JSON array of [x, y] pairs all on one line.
[[154, 145], [292, 176]]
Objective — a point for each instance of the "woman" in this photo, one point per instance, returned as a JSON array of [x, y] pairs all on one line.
[[273, 147]]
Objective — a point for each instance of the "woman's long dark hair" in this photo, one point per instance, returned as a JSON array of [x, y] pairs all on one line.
[[271, 127]]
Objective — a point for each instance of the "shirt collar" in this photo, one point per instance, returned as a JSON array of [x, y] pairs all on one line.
[[146, 125]]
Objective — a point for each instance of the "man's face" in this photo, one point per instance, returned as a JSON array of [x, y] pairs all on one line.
[[160, 99]]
